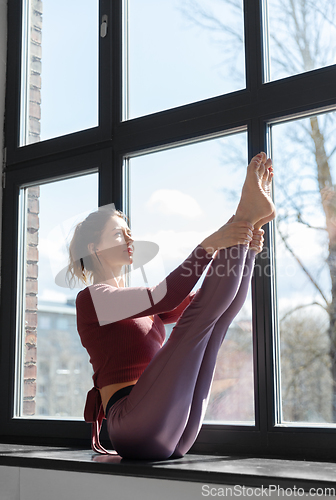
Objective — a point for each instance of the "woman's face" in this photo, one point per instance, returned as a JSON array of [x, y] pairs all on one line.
[[115, 245]]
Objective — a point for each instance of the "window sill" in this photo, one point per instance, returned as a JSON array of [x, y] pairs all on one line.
[[228, 470]]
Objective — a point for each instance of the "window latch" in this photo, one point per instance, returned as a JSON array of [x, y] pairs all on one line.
[[103, 26]]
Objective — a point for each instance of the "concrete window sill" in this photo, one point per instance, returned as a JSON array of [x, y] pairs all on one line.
[[206, 469]]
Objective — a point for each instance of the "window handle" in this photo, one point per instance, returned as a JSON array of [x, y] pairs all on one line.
[[103, 26]]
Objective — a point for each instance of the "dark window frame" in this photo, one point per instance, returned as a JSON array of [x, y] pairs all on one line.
[[105, 149]]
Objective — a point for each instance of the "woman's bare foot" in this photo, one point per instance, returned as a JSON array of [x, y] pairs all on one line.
[[255, 203]]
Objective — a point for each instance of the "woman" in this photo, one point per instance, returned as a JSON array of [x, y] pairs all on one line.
[[154, 396]]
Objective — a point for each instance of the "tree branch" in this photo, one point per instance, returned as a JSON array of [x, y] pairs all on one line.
[[304, 269], [301, 221], [209, 21], [302, 307]]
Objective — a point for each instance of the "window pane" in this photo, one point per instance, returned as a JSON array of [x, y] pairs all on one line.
[[180, 52], [178, 197], [305, 173], [302, 36], [59, 87], [53, 370]]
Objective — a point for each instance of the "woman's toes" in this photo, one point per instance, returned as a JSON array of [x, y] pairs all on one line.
[[266, 175], [262, 155], [261, 170], [257, 159], [254, 164]]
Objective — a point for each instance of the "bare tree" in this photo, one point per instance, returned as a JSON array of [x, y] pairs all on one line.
[[305, 374]]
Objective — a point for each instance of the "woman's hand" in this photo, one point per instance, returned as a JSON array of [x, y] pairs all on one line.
[[232, 233], [257, 241]]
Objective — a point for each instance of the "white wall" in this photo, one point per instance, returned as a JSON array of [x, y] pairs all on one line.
[[36, 484], [3, 52]]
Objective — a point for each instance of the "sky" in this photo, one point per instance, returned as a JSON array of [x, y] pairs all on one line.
[[172, 61], [69, 93], [314, 29]]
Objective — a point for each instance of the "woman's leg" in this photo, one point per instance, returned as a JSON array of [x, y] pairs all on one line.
[[150, 421], [207, 369]]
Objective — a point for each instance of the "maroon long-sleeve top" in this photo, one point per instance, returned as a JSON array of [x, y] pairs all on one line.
[[115, 327]]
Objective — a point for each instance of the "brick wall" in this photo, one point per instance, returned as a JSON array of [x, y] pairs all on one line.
[[30, 333], [34, 78], [33, 193]]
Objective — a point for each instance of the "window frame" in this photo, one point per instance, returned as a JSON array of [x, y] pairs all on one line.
[[107, 148]]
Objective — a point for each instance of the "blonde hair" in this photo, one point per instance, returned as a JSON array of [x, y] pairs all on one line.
[[81, 264]]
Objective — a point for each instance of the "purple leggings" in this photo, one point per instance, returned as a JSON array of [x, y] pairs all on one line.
[[162, 415]]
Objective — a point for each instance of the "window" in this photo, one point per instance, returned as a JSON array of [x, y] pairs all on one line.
[[305, 232], [46, 330], [158, 111], [59, 69], [188, 61], [307, 32]]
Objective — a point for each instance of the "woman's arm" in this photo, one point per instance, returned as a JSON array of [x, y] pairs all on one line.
[[173, 315], [113, 304]]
